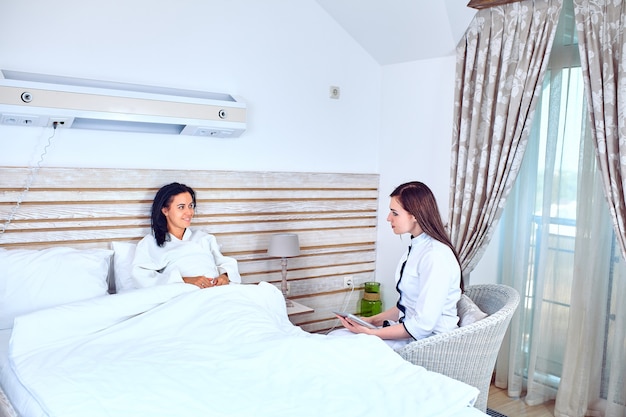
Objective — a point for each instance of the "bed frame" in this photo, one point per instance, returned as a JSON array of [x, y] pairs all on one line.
[[334, 215]]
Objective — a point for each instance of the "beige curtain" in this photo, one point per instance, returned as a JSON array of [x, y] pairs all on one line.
[[500, 67], [602, 44]]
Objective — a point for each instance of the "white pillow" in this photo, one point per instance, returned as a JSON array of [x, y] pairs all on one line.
[[468, 311], [124, 253], [31, 280]]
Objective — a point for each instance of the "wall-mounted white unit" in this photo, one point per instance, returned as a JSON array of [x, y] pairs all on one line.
[[41, 100]]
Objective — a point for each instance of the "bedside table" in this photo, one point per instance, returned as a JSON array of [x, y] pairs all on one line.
[[297, 308]]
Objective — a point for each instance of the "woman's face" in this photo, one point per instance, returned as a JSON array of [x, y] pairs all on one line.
[[179, 213], [401, 220]]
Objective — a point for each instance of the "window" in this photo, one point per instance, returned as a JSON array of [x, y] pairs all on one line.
[[546, 214]]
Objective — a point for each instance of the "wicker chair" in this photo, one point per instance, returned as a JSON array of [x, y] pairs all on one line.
[[469, 353]]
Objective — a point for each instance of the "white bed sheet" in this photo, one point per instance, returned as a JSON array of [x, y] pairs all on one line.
[[472, 412], [136, 354], [5, 335], [19, 397]]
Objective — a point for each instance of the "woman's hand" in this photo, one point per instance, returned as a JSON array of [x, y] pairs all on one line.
[[396, 331], [200, 282], [392, 314], [221, 280], [355, 327], [205, 282]]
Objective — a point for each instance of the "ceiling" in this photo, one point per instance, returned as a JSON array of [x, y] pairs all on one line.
[[395, 31]]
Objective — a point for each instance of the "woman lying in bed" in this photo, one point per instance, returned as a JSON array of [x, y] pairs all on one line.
[[175, 253]]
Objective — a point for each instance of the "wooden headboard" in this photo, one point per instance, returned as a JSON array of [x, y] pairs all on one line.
[[334, 215]]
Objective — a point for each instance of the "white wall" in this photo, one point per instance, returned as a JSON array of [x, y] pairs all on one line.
[[415, 146], [486, 271], [280, 56]]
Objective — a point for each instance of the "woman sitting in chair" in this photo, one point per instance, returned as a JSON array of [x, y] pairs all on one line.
[[428, 276]]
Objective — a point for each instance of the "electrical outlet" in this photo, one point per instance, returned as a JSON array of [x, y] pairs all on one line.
[[60, 121], [348, 281], [20, 120]]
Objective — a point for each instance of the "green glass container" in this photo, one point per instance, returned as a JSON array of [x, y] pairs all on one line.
[[370, 303]]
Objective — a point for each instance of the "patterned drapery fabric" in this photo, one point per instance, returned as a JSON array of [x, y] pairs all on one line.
[[500, 66], [602, 45]]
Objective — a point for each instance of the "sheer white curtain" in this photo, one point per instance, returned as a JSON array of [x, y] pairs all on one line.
[[546, 227], [581, 378]]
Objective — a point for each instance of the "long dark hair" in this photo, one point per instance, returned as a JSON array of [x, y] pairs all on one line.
[[416, 198], [162, 199]]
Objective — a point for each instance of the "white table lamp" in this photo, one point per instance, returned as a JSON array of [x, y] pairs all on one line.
[[284, 245]]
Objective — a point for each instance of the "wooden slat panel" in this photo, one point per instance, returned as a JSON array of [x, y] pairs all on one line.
[[328, 257], [230, 241], [62, 210], [253, 222], [115, 195], [97, 178], [334, 215]]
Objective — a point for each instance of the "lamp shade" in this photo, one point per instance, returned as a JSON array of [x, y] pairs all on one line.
[[284, 245]]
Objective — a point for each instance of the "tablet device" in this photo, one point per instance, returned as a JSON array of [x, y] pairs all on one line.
[[355, 319]]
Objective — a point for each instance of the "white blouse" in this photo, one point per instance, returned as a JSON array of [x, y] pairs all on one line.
[[196, 254], [429, 287]]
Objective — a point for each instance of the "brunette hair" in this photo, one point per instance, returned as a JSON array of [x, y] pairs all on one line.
[[416, 198], [163, 199]]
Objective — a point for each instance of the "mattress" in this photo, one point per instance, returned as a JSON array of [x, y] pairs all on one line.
[[19, 397]]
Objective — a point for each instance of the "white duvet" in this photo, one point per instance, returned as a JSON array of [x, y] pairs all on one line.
[[175, 350]]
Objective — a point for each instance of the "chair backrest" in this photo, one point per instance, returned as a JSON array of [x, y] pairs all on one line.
[[493, 298], [469, 353]]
